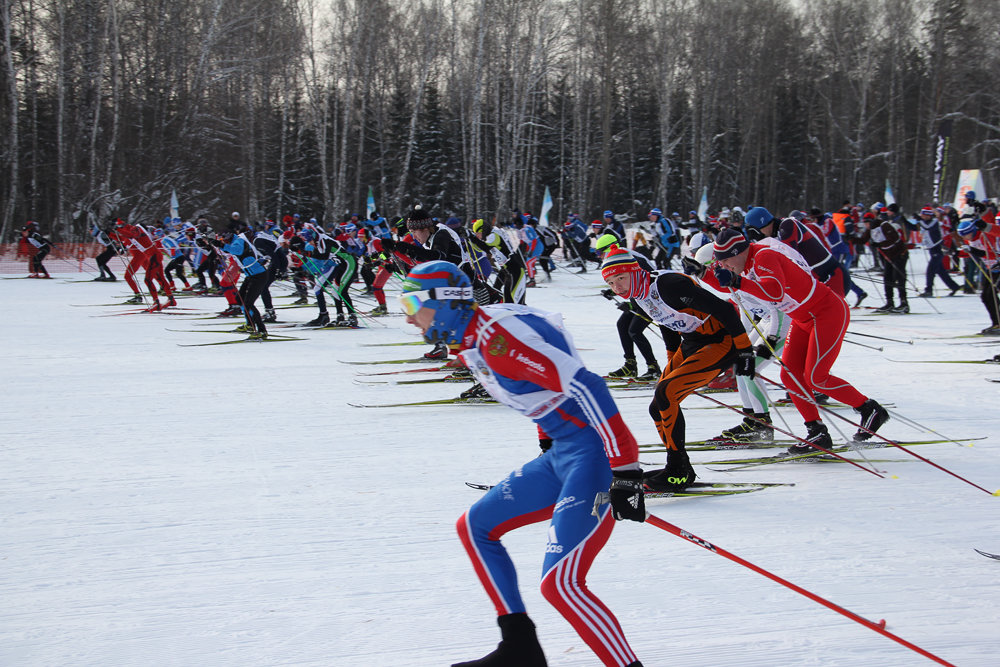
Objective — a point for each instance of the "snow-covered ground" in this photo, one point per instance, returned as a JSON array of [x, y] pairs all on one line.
[[223, 505]]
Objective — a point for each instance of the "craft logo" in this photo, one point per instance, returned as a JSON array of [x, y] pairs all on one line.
[[498, 346]]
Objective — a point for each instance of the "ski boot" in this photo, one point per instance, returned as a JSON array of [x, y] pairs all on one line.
[[245, 328], [321, 320], [889, 307], [628, 370], [155, 307], [257, 335], [380, 309], [352, 321], [231, 311], [652, 373], [301, 301], [750, 429], [862, 297], [676, 476], [902, 309], [270, 315], [440, 351], [993, 330], [171, 301], [136, 299], [518, 646], [818, 435], [475, 392], [873, 416]]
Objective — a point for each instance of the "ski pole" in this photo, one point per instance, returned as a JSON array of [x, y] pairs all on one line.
[[870, 347], [893, 340], [895, 444], [652, 519]]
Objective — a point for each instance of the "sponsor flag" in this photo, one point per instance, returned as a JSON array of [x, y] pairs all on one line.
[[543, 217], [889, 198], [174, 206], [703, 206], [370, 205], [941, 157]]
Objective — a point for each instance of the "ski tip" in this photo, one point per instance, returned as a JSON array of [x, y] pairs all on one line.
[[997, 493]]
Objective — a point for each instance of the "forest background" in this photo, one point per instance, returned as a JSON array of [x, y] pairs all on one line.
[[473, 107]]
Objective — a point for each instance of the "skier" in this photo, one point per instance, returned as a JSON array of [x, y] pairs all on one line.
[[666, 236], [529, 362], [254, 275], [431, 241], [819, 322], [42, 245], [706, 337], [275, 250], [145, 255], [101, 236], [889, 241], [631, 324], [984, 248], [767, 333], [932, 238]]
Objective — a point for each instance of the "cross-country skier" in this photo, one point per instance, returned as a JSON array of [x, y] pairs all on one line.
[[42, 247], [984, 248], [528, 362], [819, 322], [705, 337]]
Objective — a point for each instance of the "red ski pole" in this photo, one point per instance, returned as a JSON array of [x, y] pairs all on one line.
[[705, 544]]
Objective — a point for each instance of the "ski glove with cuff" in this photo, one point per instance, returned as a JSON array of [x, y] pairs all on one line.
[[627, 500], [746, 364]]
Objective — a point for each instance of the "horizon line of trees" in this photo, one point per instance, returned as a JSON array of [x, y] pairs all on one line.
[[473, 107]]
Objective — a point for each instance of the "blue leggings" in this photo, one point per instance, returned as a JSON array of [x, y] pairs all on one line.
[[559, 485]]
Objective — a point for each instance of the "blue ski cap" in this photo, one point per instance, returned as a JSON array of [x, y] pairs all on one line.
[[757, 217], [446, 289], [609, 214], [966, 226], [971, 194], [656, 211]]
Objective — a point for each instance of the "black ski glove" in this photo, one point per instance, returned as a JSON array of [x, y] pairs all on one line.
[[627, 499], [746, 364], [764, 349], [624, 306], [544, 444], [608, 294], [388, 245], [693, 267]]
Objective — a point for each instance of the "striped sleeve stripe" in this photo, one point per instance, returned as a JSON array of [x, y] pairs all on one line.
[[591, 407]]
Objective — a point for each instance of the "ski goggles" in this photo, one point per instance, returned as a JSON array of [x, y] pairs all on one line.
[[411, 302]]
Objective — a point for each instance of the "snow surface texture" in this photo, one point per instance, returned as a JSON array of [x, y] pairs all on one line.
[[166, 505]]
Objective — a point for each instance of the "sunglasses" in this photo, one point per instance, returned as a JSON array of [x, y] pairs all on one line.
[[411, 302]]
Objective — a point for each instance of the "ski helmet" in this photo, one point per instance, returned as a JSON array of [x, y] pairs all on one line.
[[446, 289], [971, 194]]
